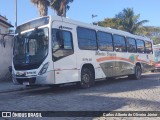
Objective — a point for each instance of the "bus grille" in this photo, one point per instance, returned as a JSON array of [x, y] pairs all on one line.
[[26, 66]]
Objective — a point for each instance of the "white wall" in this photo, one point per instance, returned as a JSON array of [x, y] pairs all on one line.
[[3, 29], [5, 56]]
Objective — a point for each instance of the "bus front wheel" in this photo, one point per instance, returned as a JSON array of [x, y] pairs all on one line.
[[87, 78]]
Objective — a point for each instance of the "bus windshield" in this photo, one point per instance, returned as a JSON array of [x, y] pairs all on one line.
[[31, 47]]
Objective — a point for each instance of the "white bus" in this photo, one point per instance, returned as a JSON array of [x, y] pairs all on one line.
[[156, 49], [56, 50]]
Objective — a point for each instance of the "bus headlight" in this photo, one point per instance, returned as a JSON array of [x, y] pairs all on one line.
[[44, 69]]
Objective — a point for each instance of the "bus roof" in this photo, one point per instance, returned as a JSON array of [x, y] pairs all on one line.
[[100, 28], [91, 26]]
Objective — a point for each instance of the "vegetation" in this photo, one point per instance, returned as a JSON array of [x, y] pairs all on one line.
[[42, 6], [125, 20], [128, 21], [60, 6], [156, 40], [111, 22]]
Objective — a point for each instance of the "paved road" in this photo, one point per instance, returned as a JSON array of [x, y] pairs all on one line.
[[112, 95]]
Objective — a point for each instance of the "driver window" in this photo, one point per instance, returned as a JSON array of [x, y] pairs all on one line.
[[62, 44]]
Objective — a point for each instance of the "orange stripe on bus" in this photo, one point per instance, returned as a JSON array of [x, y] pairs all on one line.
[[105, 58], [117, 58], [112, 58]]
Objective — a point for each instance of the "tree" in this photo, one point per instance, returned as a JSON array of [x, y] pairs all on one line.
[[111, 22], [60, 6], [42, 6], [129, 20], [156, 40]]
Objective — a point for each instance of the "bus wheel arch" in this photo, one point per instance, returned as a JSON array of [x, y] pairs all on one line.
[[87, 76]]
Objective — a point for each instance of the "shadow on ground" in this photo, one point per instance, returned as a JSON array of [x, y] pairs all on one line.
[[70, 98]]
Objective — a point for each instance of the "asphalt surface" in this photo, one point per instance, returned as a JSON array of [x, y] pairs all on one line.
[[111, 95]]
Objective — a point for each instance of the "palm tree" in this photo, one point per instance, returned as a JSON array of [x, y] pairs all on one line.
[[129, 20], [60, 6], [42, 6]]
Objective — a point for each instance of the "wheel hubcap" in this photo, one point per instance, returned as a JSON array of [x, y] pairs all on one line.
[[86, 78]]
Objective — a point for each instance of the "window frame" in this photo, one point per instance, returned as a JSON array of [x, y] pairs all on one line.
[[124, 40], [71, 38], [95, 37], [106, 40], [127, 44], [151, 47], [54, 59], [144, 46]]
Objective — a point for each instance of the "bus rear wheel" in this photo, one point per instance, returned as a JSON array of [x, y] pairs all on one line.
[[137, 74], [87, 78]]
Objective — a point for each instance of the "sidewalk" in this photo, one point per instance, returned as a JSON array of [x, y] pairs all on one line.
[[9, 86]]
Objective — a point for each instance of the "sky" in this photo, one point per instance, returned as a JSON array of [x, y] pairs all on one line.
[[82, 10]]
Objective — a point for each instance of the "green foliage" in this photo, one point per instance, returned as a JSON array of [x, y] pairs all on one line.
[[156, 40], [151, 32], [42, 6], [60, 6], [111, 22], [129, 20], [125, 20]]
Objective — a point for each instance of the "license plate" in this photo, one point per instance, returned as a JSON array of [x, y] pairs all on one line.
[[25, 83]]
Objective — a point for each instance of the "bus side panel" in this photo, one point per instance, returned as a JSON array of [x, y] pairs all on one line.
[[149, 64], [107, 63], [146, 61]]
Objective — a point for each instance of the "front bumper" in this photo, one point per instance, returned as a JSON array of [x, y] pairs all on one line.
[[46, 78]]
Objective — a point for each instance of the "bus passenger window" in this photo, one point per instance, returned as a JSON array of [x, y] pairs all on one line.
[[119, 43], [131, 45], [105, 42], [148, 47], [140, 46], [87, 39]]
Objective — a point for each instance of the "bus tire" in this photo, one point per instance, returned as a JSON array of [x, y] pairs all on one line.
[[137, 74], [87, 78]]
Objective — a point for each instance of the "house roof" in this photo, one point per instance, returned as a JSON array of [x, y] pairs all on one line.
[[6, 23], [3, 17]]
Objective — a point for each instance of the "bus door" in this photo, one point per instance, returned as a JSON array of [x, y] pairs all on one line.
[[63, 52]]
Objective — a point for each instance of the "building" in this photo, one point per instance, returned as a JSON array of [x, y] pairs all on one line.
[[6, 46], [4, 25]]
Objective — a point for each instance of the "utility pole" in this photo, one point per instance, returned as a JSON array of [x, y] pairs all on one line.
[[15, 10]]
